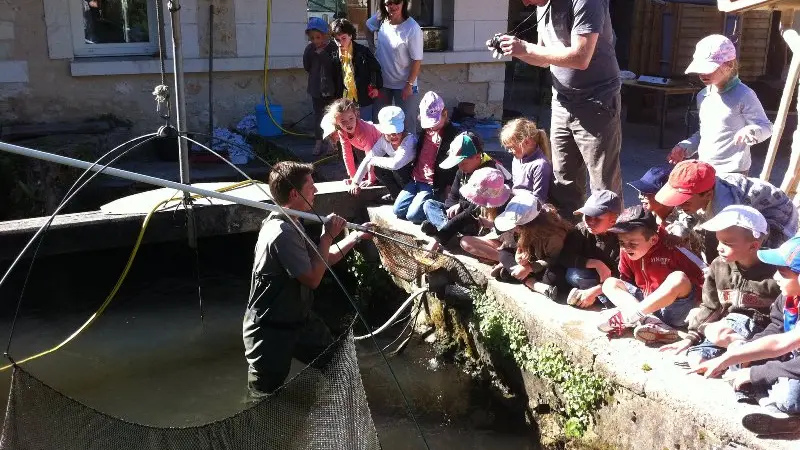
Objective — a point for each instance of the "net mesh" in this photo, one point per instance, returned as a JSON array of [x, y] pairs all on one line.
[[324, 409]]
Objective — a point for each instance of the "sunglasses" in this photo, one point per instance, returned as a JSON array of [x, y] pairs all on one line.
[[392, 2]]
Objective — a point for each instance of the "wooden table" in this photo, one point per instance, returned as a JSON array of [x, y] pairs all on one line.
[[663, 92]]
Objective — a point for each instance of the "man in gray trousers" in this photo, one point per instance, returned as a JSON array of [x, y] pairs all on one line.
[[577, 42]]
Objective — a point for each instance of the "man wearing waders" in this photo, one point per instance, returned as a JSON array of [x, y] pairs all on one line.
[[278, 323], [576, 41]]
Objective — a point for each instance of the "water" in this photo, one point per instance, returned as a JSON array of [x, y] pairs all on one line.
[[150, 360]]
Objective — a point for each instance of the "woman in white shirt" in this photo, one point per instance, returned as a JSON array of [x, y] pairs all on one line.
[[398, 48]]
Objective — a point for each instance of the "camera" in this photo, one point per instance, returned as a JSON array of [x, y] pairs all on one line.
[[495, 43]]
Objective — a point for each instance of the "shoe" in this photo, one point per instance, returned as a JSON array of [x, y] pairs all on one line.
[[551, 292], [428, 228], [653, 330], [495, 273], [574, 297], [614, 324], [771, 421], [387, 199]]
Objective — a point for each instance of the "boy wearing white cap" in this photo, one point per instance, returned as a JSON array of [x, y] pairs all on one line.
[[731, 116], [392, 157], [738, 290]]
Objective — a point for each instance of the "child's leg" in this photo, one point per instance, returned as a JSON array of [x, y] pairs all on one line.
[[675, 286], [404, 199], [386, 178], [435, 213], [481, 247], [619, 293], [734, 327], [416, 211]]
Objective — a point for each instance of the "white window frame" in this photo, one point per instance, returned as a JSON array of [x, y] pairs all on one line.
[[84, 49]]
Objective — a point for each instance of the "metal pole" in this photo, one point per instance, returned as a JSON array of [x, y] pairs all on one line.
[[211, 74], [133, 176]]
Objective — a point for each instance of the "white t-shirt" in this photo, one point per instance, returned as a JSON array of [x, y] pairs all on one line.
[[383, 155], [396, 48]]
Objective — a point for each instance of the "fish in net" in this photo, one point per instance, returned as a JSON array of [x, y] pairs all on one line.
[[315, 410]]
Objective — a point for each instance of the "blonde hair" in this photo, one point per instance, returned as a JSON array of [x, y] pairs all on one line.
[[339, 106], [519, 129], [543, 237]]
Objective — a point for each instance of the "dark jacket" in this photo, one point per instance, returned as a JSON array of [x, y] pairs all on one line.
[[366, 69], [320, 70], [442, 178], [581, 245], [767, 374], [730, 289]]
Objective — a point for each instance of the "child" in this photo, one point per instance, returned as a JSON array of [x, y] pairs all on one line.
[[456, 214], [521, 209], [591, 253], [731, 116], [738, 290], [351, 132], [392, 157], [541, 239], [531, 168], [779, 377], [486, 189], [654, 279], [317, 62], [356, 72], [428, 180]]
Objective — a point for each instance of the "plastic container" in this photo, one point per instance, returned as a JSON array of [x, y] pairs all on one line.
[[266, 127], [488, 130]]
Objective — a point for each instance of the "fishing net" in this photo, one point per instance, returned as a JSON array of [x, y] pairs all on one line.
[[324, 409]]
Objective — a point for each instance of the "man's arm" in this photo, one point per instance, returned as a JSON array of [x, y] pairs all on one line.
[[577, 56], [344, 246]]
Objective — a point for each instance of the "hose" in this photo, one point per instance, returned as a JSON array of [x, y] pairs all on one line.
[[394, 317]]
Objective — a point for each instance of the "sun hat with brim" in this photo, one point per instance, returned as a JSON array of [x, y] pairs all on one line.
[[653, 180], [787, 255], [710, 53], [687, 179], [740, 216], [633, 218], [461, 148], [521, 209], [599, 203], [391, 119], [487, 188]]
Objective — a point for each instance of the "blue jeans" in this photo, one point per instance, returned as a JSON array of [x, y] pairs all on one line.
[[408, 205], [674, 314], [435, 213], [743, 326], [409, 106], [585, 279], [785, 393]]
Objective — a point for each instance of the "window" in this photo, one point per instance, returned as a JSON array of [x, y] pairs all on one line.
[[114, 27], [357, 11]]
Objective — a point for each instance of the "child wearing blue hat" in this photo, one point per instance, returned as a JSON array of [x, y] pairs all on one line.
[[318, 63], [778, 344]]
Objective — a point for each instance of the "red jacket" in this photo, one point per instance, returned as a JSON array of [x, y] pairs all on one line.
[[649, 272]]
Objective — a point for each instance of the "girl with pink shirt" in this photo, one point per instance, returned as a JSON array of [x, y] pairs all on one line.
[[351, 132]]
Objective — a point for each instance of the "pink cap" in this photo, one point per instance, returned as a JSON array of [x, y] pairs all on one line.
[[486, 187], [711, 52], [430, 109]]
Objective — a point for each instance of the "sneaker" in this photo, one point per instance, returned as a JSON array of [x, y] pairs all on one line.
[[387, 199], [771, 421], [551, 292], [614, 323], [574, 297], [653, 330], [428, 228]]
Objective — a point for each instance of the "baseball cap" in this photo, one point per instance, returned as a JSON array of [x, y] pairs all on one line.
[[653, 180], [711, 52], [687, 178], [632, 218], [599, 203], [430, 109], [391, 119], [742, 216], [461, 148], [787, 255], [317, 23], [521, 209]]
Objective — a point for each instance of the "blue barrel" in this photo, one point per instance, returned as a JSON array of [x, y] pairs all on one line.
[[266, 127]]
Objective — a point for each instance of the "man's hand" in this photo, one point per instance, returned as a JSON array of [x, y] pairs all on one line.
[[453, 210], [712, 368], [602, 269], [512, 46], [520, 272], [677, 155], [678, 347], [373, 92], [408, 91], [333, 226], [738, 378], [366, 234]]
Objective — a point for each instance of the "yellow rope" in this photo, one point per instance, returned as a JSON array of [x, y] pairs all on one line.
[[124, 274]]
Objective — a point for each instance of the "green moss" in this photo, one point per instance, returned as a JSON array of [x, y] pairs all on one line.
[[582, 392], [646, 367]]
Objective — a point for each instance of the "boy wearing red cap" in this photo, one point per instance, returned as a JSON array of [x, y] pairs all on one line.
[[695, 187]]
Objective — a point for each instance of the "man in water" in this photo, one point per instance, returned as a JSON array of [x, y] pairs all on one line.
[[278, 322]]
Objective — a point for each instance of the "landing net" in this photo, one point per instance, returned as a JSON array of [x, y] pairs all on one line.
[[316, 410]]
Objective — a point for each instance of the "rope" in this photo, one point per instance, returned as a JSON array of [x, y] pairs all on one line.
[[392, 319], [161, 91]]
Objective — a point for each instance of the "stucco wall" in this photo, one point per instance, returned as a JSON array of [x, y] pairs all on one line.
[[42, 81]]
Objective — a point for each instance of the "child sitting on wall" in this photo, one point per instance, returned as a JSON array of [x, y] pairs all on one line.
[[486, 189]]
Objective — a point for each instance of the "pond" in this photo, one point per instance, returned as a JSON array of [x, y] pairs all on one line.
[[149, 358]]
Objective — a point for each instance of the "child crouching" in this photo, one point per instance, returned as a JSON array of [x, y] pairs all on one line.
[[486, 188]]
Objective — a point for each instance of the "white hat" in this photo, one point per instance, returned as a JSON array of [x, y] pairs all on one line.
[[391, 119], [710, 53], [742, 216], [328, 124], [521, 209]]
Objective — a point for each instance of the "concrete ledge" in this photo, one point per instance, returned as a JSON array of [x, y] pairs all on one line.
[[82, 232], [13, 71], [658, 408]]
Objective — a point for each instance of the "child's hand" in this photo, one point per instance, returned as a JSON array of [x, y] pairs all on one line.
[[373, 92], [453, 210], [738, 378], [520, 272], [348, 181], [678, 347], [485, 223], [712, 368], [677, 154], [522, 257], [355, 190], [366, 183]]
